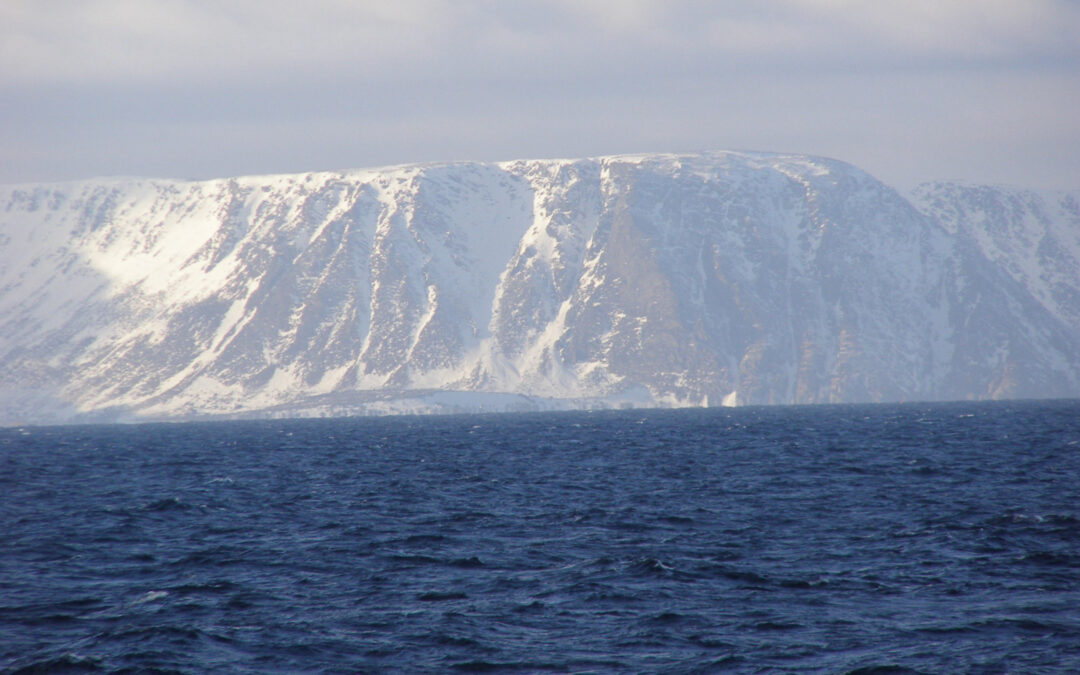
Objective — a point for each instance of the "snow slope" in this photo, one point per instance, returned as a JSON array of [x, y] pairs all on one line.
[[626, 280]]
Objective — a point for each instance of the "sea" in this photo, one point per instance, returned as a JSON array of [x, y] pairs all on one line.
[[911, 538]]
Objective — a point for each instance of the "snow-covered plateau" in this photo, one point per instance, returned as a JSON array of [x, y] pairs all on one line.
[[649, 280]]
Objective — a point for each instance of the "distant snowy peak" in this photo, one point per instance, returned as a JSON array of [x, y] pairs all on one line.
[[655, 279]]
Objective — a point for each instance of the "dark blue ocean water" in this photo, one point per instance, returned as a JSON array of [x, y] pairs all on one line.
[[869, 539]]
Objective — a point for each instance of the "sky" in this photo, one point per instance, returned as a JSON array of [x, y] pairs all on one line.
[[984, 91]]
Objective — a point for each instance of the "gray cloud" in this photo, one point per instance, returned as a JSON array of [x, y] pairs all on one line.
[[981, 90]]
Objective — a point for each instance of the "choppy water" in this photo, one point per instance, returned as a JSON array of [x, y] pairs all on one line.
[[916, 538]]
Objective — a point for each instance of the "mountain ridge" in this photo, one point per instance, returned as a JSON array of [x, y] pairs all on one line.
[[646, 279]]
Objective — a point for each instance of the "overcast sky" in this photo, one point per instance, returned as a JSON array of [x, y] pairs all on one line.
[[980, 90]]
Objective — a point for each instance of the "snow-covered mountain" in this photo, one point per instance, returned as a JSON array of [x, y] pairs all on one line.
[[629, 280]]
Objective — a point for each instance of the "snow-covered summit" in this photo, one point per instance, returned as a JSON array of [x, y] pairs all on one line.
[[625, 280]]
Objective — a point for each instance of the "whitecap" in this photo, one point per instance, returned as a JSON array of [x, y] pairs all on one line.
[[150, 596]]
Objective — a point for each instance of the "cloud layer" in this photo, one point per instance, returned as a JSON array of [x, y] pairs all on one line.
[[982, 90]]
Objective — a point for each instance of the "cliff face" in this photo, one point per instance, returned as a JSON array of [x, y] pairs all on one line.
[[645, 280]]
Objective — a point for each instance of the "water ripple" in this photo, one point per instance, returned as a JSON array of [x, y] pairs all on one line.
[[848, 539]]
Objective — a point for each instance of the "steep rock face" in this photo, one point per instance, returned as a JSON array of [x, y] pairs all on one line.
[[1016, 317], [652, 280], [781, 279]]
